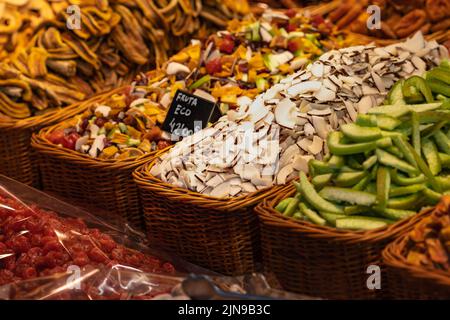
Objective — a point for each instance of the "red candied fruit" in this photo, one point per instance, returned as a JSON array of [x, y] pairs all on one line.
[[56, 136], [69, 141], [30, 247], [214, 66], [291, 27], [293, 46], [317, 20], [227, 44], [291, 12]]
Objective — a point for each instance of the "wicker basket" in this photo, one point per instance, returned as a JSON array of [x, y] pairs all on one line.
[[323, 261], [17, 158], [107, 184], [219, 234], [407, 281]]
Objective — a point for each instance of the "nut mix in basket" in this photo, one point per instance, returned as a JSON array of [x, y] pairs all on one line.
[[385, 167], [291, 120], [47, 65]]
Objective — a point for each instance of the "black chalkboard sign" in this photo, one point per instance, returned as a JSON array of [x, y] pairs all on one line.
[[189, 113]]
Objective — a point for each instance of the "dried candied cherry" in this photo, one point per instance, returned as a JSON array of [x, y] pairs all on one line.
[[81, 259], [227, 44], [19, 244], [214, 66], [97, 255]]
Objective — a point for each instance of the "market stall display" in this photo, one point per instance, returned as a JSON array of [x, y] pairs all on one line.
[[291, 120], [102, 146], [380, 177], [308, 140], [399, 19], [49, 65], [45, 241], [215, 177], [418, 262], [381, 169], [234, 64]]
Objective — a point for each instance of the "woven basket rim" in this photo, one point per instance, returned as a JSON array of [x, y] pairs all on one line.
[[394, 258], [268, 213], [144, 179], [40, 143], [52, 115]]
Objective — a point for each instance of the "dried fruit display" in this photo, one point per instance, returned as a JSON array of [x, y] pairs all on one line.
[[291, 120], [428, 245], [49, 65], [246, 59], [231, 66], [125, 126], [400, 18], [38, 243], [385, 167]]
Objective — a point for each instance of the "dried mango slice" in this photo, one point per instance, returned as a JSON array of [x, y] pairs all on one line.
[[37, 62]]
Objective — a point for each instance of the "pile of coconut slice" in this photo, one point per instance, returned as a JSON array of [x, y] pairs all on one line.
[[268, 140]]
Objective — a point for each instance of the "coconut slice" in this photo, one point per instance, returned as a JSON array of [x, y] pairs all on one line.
[[303, 87], [97, 145], [103, 110], [174, 68], [351, 110], [415, 43], [316, 146], [286, 113], [257, 110], [304, 143], [221, 191], [317, 69], [324, 94], [265, 35], [320, 125], [298, 62], [300, 163], [309, 129], [80, 142], [248, 187], [378, 81], [364, 104], [284, 173], [205, 95]]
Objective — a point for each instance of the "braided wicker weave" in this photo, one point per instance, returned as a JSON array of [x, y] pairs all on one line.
[[323, 261], [219, 234], [106, 184], [17, 158], [408, 281]]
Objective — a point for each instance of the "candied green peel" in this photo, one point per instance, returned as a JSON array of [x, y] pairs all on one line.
[[381, 169]]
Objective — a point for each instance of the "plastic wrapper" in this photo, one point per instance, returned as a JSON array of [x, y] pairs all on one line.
[[52, 250]]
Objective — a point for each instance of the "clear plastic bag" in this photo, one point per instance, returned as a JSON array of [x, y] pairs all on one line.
[[52, 250]]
